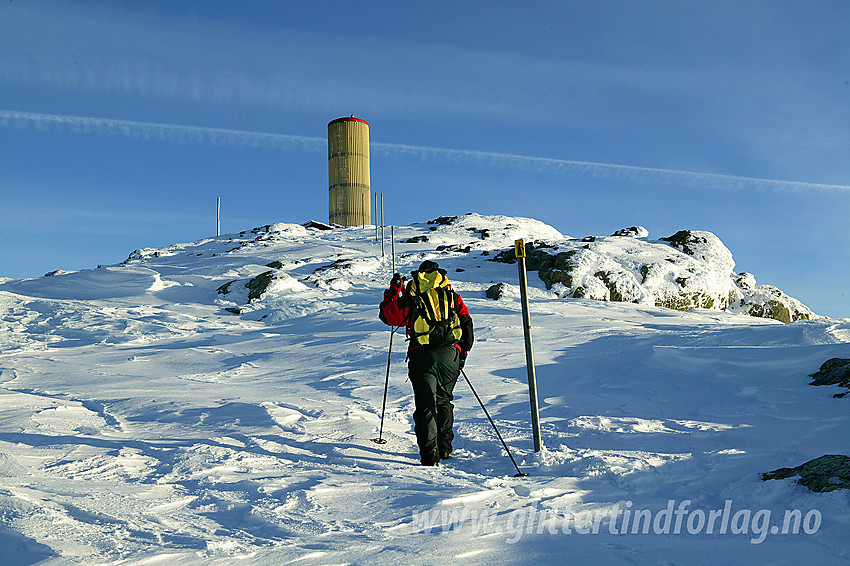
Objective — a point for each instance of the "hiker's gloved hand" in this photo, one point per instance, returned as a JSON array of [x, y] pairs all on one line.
[[462, 359], [397, 281]]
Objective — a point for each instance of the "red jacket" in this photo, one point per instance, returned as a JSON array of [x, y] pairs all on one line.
[[396, 314]]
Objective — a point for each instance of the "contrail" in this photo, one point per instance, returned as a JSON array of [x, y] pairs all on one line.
[[176, 133], [173, 133]]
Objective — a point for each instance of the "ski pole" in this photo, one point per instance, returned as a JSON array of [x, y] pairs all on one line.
[[380, 439], [518, 473]]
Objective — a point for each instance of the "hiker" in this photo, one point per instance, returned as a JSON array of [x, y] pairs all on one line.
[[440, 332]]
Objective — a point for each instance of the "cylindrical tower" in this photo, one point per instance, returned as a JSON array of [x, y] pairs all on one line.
[[348, 172]]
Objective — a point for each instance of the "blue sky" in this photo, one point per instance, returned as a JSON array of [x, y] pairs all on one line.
[[120, 123]]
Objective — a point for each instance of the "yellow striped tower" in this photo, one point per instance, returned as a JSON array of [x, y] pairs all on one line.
[[348, 172]]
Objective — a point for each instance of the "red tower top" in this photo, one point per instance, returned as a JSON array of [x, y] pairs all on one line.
[[349, 119]]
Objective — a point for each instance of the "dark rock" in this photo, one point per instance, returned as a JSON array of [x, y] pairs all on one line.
[[496, 291], [835, 371], [563, 259], [766, 301], [454, 248], [275, 264], [225, 289], [746, 281], [484, 233], [552, 276], [317, 225], [589, 239], [416, 240], [509, 255], [506, 256], [560, 271], [684, 239], [537, 259], [605, 277], [550, 268], [632, 232], [234, 310], [443, 220], [823, 474], [776, 310], [258, 285], [337, 264]]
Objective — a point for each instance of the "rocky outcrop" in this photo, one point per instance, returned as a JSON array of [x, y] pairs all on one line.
[[767, 301], [690, 269], [826, 473], [835, 371]]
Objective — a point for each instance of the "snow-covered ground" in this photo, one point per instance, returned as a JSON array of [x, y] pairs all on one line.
[[151, 413]]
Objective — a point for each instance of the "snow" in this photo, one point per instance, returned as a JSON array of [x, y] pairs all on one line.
[[141, 422]]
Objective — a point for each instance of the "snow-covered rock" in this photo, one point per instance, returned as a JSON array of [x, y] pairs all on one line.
[[690, 269], [767, 301], [476, 232], [632, 232]]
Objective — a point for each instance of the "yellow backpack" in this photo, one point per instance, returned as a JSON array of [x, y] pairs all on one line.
[[435, 321]]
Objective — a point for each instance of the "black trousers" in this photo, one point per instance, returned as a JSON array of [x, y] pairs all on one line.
[[433, 373]]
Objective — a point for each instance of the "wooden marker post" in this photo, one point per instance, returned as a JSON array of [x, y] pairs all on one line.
[[519, 249]]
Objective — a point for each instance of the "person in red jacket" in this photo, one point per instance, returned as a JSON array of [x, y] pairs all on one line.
[[440, 331]]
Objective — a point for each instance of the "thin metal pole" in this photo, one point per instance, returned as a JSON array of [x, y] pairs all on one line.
[[218, 216], [519, 248], [518, 472], [382, 226], [392, 242], [376, 216]]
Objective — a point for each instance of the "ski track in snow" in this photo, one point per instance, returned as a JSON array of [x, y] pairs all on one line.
[[142, 422]]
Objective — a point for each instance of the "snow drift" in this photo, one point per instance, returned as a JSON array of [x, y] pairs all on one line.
[[213, 402]]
